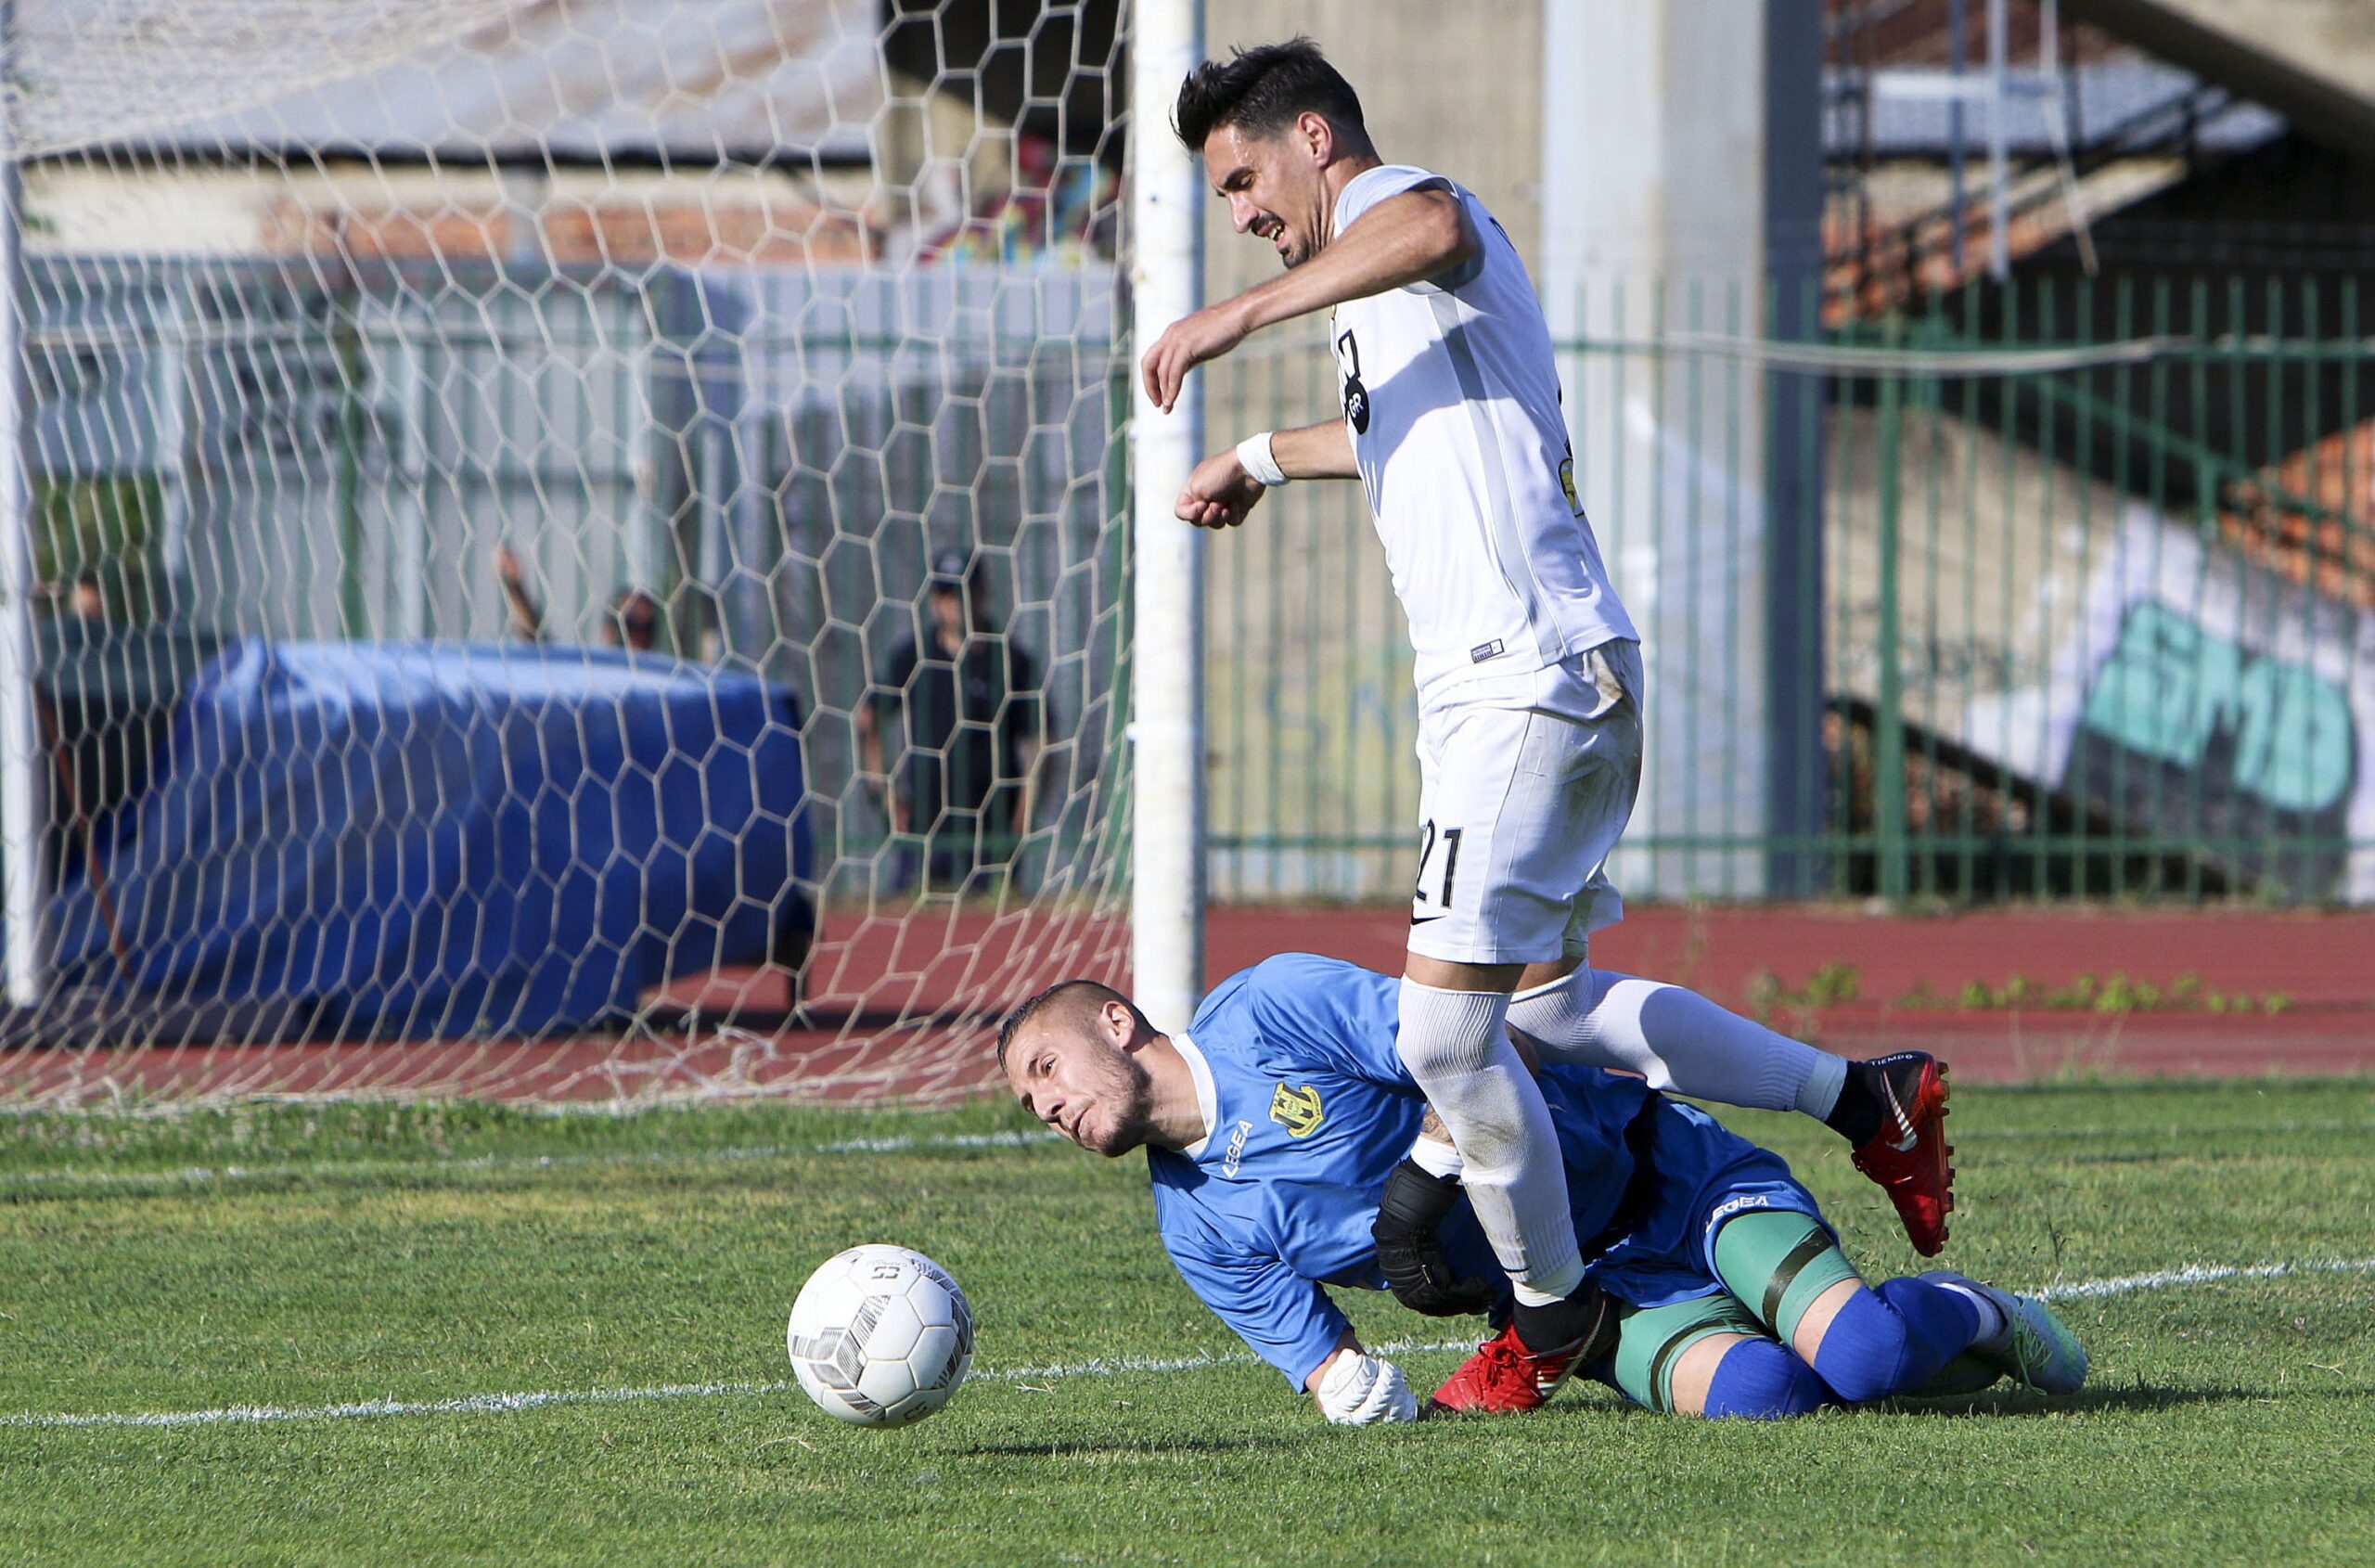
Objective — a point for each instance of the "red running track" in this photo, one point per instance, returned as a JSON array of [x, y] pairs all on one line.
[[2322, 965]]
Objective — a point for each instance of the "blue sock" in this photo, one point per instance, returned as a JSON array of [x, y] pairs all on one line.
[[1893, 1338], [1760, 1379]]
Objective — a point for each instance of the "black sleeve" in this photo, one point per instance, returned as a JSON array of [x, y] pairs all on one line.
[[1022, 705]]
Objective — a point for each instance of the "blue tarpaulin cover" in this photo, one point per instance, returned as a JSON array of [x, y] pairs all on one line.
[[443, 838]]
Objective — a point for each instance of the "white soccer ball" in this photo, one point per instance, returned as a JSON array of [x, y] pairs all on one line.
[[881, 1336]]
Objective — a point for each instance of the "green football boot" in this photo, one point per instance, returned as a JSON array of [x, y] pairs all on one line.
[[2035, 1348]]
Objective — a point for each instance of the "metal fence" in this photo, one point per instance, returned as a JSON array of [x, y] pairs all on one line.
[[2059, 588]]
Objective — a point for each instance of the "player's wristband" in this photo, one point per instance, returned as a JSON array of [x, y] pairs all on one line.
[[1254, 455]]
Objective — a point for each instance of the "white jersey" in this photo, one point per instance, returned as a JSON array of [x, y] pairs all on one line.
[[1451, 399]]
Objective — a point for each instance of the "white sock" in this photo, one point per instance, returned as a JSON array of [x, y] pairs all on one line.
[[1995, 1329], [1679, 1040], [1457, 1046]]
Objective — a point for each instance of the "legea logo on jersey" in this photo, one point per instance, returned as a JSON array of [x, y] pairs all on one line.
[[1235, 1155], [1296, 1108], [1740, 1203]]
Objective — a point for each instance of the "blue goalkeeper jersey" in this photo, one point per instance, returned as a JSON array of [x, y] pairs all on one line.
[[1309, 1108]]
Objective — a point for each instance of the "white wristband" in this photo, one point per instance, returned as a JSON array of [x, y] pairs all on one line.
[[1254, 455]]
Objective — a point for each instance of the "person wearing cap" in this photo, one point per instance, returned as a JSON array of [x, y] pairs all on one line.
[[969, 695]]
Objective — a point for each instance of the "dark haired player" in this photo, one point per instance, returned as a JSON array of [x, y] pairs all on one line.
[[1528, 669], [1273, 1126]]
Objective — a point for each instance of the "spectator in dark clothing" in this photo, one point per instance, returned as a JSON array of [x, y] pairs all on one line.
[[970, 698]]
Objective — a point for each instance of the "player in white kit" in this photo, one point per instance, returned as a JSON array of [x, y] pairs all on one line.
[[1529, 677]]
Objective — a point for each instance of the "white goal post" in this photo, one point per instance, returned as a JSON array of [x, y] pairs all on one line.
[[1166, 211]]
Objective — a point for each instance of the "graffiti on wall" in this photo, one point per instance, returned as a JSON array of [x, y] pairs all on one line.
[[2227, 712]]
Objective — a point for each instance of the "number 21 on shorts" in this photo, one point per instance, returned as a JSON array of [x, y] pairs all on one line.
[[1428, 841]]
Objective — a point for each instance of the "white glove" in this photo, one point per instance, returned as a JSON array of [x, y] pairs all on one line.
[[1361, 1391]]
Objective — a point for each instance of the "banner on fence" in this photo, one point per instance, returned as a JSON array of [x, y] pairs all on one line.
[[2210, 702]]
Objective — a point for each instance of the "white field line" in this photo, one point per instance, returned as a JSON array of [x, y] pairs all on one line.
[[221, 1175], [502, 1404], [1100, 1366], [2197, 1273]]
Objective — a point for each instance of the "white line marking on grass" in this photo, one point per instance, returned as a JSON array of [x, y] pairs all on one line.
[[1110, 1365], [891, 1143], [467, 1405], [2197, 1273], [901, 1144], [2162, 1130], [331, 1170], [503, 1404], [1098, 1366]]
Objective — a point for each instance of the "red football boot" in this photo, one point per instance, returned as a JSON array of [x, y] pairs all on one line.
[[1504, 1377], [1908, 1156]]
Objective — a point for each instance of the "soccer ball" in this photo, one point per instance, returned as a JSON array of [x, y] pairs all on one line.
[[881, 1336]]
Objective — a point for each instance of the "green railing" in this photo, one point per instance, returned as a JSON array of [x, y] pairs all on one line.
[[2056, 589]]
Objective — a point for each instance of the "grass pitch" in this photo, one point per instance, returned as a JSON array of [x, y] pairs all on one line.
[[305, 1304]]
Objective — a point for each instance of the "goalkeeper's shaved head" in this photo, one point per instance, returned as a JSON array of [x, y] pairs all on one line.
[[1072, 1003], [1083, 1066]]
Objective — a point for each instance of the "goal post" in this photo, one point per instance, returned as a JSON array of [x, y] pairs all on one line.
[[1166, 208], [592, 550], [24, 798]]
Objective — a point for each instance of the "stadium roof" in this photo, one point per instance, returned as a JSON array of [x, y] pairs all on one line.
[[1916, 123], [569, 81]]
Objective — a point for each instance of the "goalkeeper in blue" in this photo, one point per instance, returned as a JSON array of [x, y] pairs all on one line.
[[1291, 1151]]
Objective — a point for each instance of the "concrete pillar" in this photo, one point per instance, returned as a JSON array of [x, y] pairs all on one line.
[[1654, 253]]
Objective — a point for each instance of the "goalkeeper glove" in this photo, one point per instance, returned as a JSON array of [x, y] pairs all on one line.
[[1362, 1391], [1408, 1253]]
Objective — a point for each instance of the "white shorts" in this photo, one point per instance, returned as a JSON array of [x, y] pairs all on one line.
[[1525, 784]]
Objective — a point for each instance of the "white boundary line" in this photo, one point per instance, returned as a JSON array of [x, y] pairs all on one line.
[[343, 1170], [194, 1177], [2197, 1273], [505, 1404]]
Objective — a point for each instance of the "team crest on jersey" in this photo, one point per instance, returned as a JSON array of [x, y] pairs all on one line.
[[1296, 1108]]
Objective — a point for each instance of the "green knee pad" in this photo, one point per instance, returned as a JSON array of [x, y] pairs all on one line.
[[1649, 1340], [1778, 1262]]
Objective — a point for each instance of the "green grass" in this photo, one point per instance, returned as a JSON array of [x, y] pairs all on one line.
[[301, 1258]]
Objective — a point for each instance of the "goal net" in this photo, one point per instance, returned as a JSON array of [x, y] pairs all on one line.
[[578, 545]]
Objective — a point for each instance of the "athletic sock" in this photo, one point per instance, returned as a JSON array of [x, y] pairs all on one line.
[[1457, 1046], [1893, 1338], [1555, 1325], [1819, 1096], [1857, 1114], [1995, 1329], [1676, 1039], [1759, 1380]]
